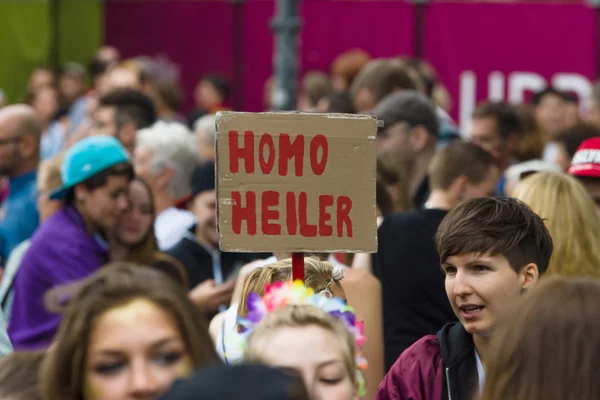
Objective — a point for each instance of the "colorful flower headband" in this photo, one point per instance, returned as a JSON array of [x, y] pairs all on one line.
[[281, 294]]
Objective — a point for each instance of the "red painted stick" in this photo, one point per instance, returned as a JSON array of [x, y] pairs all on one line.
[[298, 266]]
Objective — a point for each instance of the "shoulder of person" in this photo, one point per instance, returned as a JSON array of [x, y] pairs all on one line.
[[416, 374]]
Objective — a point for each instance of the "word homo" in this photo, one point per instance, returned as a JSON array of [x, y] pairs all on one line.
[[288, 150]]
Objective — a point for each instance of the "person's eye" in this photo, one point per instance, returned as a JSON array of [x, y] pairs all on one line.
[[449, 270], [331, 382], [109, 368], [145, 210], [168, 358], [481, 268]]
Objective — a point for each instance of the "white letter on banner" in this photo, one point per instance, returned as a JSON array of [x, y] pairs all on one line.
[[519, 82]]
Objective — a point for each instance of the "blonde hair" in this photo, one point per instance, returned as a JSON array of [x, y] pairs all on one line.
[[48, 177], [570, 215], [296, 316], [317, 276]]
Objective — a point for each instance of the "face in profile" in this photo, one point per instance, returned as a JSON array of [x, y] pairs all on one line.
[[205, 209], [481, 287], [316, 355], [135, 225], [135, 352], [106, 205]]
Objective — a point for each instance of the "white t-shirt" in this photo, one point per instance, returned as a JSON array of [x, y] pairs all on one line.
[[480, 372], [171, 225]]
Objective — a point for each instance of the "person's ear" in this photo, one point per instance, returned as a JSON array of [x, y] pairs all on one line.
[[28, 146], [164, 177], [457, 189], [81, 193], [419, 138], [528, 276]]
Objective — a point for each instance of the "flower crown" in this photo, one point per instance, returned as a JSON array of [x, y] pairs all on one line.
[[280, 294]]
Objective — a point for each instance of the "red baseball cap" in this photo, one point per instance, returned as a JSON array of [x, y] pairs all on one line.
[[586, 161]]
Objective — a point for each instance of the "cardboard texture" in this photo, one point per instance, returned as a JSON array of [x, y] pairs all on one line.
[[312, 189]]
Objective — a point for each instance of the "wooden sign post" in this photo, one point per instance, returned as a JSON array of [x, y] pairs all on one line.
[[292, 182]]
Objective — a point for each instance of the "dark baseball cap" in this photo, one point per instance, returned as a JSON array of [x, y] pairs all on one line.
[[407, 106], [203, 178], [249, 382]]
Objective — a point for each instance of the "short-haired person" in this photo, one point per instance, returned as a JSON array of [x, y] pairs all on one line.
[[20, 134], [71, 244], [585, 166], [498, 128], [408, 138], [407, 263], [316, 86], [205, 130], [121, 113], [378, 79], [165, 156], [491, 251], [550, 111], [210, 95]]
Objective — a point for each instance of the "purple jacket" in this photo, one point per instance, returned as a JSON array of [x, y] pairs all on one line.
[[61, 252], [440, 367]]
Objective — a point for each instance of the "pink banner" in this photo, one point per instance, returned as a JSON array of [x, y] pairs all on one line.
[[198, 35], [481, 50], [507, 51]]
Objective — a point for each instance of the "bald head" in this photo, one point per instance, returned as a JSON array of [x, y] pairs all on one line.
[[21, 120], [20, 134]]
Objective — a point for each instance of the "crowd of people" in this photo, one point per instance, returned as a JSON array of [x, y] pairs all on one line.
[[485, 284]]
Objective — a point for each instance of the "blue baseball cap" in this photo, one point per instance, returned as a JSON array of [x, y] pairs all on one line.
[[86, 158]]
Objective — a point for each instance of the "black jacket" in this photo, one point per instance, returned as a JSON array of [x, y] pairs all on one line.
[[460, 367]]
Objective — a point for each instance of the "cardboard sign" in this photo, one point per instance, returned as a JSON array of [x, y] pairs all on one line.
[[296, 182]]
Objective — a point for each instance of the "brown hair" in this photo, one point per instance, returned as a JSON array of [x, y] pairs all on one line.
[[315, 86], [395, 182], [347, 65], [147, 253], [19, 377], [496, 225], [548, 347], [459, 158], [114, 285], [531, 146], [381, 77], [508, 120], [317, 276]]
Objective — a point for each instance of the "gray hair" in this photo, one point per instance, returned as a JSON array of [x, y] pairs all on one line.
[[207, 124], [172, 146]]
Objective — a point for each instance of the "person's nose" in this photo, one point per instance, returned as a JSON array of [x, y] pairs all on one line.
[[142, 384], [462, 285], [123, 203]]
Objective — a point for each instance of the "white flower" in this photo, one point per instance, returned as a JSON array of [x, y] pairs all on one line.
[[337, 274]]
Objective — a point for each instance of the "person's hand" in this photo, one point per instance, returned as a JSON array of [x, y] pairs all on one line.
[[208, 296]]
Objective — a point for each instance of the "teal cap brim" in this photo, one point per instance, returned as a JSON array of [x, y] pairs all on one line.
[[60, 194]]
